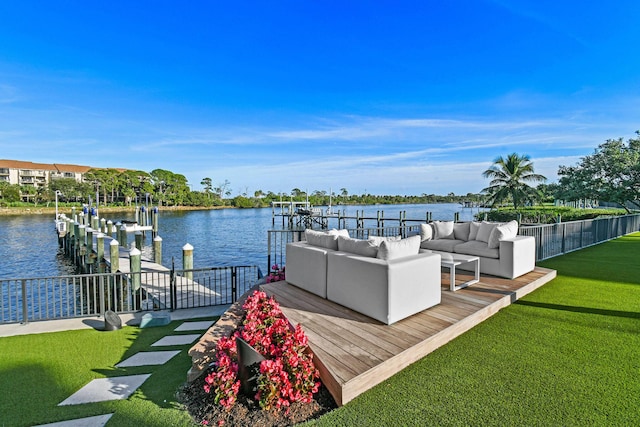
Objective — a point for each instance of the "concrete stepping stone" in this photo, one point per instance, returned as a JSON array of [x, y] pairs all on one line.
[[97, 421], [202, 325], [102, 389], [146, 358], [176, 340]]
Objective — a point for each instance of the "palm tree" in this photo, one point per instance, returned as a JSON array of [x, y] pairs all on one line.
[[510, 178]]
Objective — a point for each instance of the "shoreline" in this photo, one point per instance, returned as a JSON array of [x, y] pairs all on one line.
[[51, 210]]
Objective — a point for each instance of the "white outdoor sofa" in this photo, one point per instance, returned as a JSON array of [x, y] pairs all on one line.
[[501, 251], [385, 280]]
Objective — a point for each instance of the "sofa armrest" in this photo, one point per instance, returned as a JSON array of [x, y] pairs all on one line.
[[517, 255], [306, 267]]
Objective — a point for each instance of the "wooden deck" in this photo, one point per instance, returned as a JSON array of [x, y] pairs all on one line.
[[354, 352]]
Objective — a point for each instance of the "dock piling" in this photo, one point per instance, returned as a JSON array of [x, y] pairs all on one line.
[[114, 258], [187, 261], [135, 260], [157, 250]]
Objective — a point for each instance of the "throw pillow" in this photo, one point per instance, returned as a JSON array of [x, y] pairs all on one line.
[[342, 232], [398, 249], [461, 230], [501, 232], [358, 247], [473, 230], [321, 239], [485, 231], [379, 239], [426, 232], [443, 229]]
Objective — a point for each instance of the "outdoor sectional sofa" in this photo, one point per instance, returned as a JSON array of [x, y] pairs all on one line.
[[386, 280], [501, 251]]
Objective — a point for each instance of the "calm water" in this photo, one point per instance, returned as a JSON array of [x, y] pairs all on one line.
[[29, 247]]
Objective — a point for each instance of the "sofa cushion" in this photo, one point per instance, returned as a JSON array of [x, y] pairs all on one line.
[[443, 245], [474, 226], [501, 232], [461, 230], [321, 239], [426, 232], [379, 239], [477, 248], [400, 248], [485, 230], [443, 229], [358, 247]]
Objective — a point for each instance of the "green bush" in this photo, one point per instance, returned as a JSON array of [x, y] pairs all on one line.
[[546, 215]]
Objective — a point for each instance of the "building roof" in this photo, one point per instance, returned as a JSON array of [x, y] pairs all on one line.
[[18, 164], [58, 167]]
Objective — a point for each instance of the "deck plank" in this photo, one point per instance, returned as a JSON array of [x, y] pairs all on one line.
[[354, 352]]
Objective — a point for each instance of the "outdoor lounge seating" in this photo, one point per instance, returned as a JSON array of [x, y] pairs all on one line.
[[387, 281], [501, 251]]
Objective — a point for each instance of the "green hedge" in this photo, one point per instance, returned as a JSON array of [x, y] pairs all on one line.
[[546, 215]]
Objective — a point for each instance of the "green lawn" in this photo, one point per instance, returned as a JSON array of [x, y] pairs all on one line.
[[567, 354], [39, 371]]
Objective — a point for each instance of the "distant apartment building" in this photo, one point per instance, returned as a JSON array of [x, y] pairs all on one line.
[[38, 174]]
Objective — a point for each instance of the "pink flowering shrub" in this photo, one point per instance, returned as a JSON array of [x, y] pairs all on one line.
[[286, 376], [276, 274]]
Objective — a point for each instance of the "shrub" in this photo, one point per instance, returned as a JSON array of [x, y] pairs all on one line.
[[277, 274], [286, 376]]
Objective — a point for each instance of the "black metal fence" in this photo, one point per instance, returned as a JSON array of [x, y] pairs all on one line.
[[46, 298]]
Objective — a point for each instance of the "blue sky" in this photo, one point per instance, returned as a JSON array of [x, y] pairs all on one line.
[[383, 97]]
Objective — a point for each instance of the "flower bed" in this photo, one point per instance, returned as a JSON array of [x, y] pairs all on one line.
[[287, 377]]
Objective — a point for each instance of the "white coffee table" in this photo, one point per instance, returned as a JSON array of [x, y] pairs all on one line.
[[451, 261]]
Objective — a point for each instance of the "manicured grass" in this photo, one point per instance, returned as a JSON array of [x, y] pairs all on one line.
[[37, 372], [567, 354]]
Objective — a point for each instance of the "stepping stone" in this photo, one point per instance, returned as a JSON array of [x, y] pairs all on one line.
[[102, 389], [97, 421], [176, 340], [146, 358], [195, 326]]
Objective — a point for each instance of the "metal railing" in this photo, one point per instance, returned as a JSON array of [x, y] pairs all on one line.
[[46, 298], [551, 239], [557, 239]]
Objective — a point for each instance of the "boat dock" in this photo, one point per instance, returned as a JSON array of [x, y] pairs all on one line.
[[96, 251], [297, 215]]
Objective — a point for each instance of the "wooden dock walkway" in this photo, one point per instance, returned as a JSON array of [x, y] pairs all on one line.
[[354, 352], [155, 281]]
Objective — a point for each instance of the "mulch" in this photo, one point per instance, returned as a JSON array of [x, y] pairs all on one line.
[[247, 412]]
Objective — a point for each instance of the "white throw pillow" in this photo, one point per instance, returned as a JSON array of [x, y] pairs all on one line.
[[379, 239], [402, 248], [461, 230], [321, 239], [485, 231], [473, 230], [426, 232], [342, 232], [358, 247], [443, 229], [501, 232]]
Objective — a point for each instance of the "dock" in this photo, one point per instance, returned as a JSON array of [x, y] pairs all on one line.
[[354, 352], [155, 281]]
